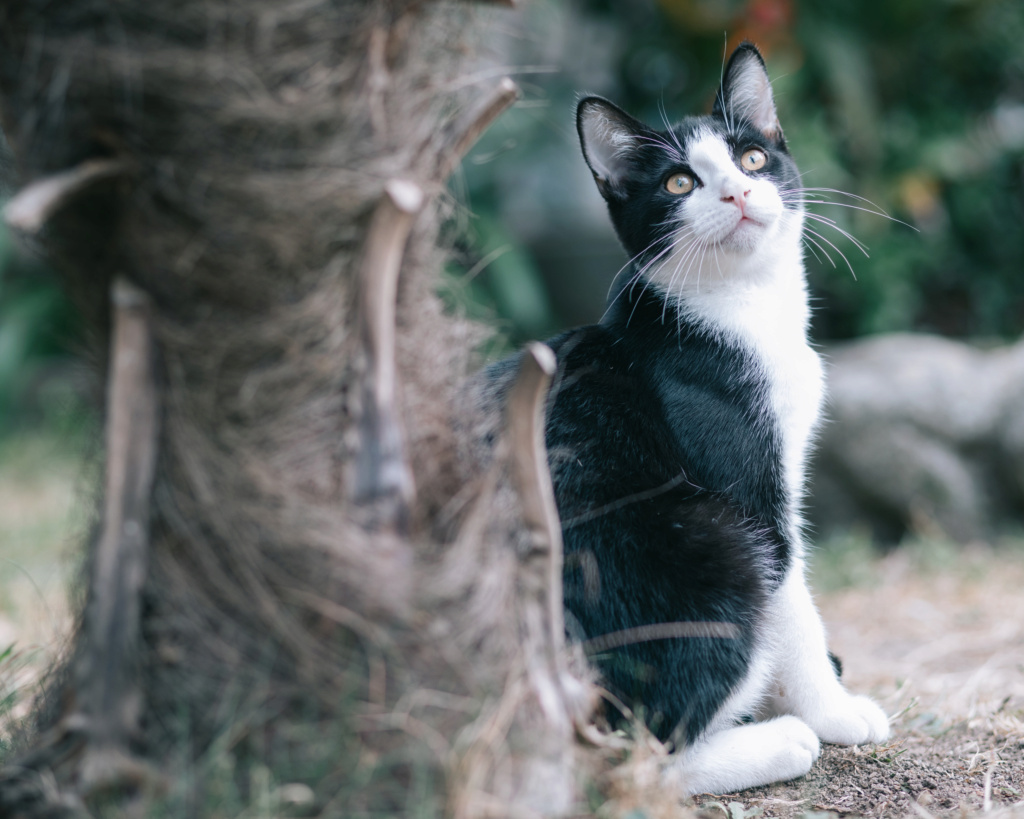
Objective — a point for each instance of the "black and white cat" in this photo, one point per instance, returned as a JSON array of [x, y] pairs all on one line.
[[678, 430]]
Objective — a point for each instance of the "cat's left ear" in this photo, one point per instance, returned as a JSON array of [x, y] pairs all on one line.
[[609, 138], [746, 92]]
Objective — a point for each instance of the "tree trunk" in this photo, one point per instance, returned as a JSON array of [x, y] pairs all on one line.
[[309, 585]]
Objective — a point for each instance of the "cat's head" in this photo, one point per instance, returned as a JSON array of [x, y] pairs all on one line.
[[708, 192]]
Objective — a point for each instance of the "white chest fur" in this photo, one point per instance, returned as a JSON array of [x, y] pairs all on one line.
[[767, 314], [738, 268]]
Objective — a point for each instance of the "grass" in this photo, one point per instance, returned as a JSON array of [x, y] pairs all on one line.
[[851, 560]]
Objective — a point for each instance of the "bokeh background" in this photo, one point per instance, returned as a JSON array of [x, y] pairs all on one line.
[[916, 105]]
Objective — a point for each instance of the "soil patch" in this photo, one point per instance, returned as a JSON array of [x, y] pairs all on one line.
[[940, 643]]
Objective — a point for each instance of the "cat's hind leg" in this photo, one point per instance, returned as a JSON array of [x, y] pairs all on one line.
[[747, 756]]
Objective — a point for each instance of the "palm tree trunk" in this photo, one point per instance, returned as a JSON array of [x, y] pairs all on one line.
[[308, 583]]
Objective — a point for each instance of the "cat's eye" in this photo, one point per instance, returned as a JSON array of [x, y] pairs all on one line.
[[753, 159], [679, 183]]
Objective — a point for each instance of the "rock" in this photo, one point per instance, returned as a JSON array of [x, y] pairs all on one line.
[[923, 434]]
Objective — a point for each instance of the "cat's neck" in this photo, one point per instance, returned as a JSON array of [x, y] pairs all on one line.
[[721, 287], [759, 304]]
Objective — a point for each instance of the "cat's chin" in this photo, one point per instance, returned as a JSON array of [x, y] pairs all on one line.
[[745, 238]]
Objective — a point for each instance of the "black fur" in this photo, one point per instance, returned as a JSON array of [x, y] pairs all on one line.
[[666, 457], [638, 203]]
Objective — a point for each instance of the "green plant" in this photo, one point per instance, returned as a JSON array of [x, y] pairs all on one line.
[[38, 328]]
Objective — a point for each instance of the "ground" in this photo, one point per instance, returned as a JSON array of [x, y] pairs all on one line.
[[934, 632], [42, 516]]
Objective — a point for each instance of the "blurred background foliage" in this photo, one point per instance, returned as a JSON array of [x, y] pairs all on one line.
[[41, 383], [40, 380], [916, 105]]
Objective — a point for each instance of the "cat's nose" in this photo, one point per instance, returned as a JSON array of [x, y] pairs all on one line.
[[736, 194]]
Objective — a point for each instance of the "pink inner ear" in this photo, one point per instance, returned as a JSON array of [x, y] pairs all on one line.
[[606, 142], [750, 96]]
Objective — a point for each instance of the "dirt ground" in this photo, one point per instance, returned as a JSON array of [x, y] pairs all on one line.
[[935, 633], [940, 643]]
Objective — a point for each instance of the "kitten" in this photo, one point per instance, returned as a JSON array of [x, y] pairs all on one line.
[[678, 430]]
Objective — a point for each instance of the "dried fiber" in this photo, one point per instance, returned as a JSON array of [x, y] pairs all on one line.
[[281, 638]]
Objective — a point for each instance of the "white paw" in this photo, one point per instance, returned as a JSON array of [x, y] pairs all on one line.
[[749, 756], [852, 721], [794, 745]]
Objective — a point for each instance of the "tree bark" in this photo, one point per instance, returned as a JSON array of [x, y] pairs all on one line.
[[310, 584]]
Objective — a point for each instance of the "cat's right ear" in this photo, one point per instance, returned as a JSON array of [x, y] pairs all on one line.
[[608, 136]]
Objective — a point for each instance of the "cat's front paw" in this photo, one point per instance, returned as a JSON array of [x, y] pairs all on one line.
[[851, 721], [748, 756], [793, 741]]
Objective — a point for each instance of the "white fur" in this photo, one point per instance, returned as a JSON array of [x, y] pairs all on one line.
[[750, 288], [745, 280], [608, 143], [746, 756], [750, 97]]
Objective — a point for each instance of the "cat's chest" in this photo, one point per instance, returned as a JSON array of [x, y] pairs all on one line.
[[769, 325]]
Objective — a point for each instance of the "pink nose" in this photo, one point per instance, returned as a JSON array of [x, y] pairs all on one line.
[[737, 195]]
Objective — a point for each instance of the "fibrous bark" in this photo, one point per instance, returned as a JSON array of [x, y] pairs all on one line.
[[331, 599]]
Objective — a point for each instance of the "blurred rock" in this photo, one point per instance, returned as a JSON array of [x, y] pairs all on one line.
[[924, 434]]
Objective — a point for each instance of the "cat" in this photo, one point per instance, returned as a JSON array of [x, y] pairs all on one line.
[[678, 429]]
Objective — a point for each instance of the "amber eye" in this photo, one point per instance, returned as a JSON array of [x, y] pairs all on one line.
[[753, 159], [679, 183]]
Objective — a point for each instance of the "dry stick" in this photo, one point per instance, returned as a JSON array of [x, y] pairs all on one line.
[[383, 477], [662, 631], [33, 206], [525, 418], [108, 698], [463, 133], [510, 4], [378, 80]]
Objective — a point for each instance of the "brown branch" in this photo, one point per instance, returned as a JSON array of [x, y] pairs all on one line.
[[566, 699], [510, 4], [541, 622], [33, 206], [382, 475], [108, 699], [460, 136], [663, 631], [525, 418]]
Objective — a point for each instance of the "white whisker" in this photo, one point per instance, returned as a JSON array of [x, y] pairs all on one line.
[[836, 249], [824, 220], [825, 252], [813, 251], [819, 198], [668, 129]]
